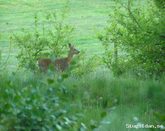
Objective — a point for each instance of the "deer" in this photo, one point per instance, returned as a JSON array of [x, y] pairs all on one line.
[[60, 64]]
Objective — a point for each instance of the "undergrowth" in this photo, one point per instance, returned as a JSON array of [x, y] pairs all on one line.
[[43, 102]]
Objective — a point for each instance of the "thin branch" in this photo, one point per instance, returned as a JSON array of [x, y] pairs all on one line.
[[128, 7], [5, 62]]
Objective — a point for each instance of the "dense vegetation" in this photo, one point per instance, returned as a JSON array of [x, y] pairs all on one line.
[[137, 35], [119, 84], [39, 102]]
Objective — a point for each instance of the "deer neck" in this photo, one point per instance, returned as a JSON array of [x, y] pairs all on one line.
[[69, 58]]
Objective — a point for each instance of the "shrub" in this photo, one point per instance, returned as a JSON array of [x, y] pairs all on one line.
[[82, 65], [28, 104], [49, 42], [131, 37]]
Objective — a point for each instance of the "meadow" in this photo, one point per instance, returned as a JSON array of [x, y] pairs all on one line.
[[88, 96], [16, 15]]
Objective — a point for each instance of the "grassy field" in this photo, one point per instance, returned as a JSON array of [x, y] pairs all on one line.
[[87, 17], [95, 101]]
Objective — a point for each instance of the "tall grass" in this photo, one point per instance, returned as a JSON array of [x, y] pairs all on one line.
[[95, 101]]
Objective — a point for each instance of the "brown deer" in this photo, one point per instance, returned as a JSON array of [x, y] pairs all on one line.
[[60, 64]]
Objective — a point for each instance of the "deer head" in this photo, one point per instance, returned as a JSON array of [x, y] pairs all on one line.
[[73, 50]]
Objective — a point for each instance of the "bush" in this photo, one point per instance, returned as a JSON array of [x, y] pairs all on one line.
[[82, 65], [28, 104], [49, 42], [131, 37], [160, 3]]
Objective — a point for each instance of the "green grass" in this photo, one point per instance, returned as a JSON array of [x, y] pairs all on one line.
[[87, 17], [97, 100]]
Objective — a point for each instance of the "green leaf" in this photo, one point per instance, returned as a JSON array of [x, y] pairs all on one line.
[[103, 114], [83, 127], [58, 127], [64, 76], [160, 116], [50, 81]]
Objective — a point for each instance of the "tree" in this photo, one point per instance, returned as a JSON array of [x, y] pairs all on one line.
[[136, 37]]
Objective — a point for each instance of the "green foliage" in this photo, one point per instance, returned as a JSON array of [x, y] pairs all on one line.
[[0, 57], [60, 33], [101, 90], [0, 53], [4, 61], [132, 38], [31, 46], [82, 65], [27, 104], [50, 42], [36, 102], [160, 3]]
